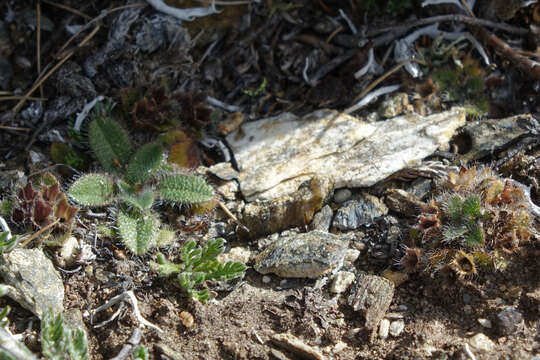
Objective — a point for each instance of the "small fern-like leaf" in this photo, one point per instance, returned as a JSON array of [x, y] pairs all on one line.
[[138, 230], [92, 190], [110, 143], [227, 271], [212, 249], [164, 267], [188, 189], [144, 163]]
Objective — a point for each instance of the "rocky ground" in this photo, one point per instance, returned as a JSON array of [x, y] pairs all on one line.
[[335, 185]]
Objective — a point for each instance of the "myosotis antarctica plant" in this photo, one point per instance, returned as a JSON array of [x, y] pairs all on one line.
[[134, 180]]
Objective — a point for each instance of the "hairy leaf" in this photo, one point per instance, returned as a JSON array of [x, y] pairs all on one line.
[[92, 190], [138, 230], [110, 143], [144, 163], [188, 189]]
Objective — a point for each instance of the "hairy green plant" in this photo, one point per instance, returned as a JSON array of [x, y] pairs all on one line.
[[58, 342], [61, 343], [135, 181], [198, 265], [140, 353], [7, 242], [476, 223]]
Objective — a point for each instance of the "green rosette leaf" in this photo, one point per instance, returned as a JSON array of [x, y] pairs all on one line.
[[138, 230], [110, 143], [186, 189], [92, 190], [144, 163]]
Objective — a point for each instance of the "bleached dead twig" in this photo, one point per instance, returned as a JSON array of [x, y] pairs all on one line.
[[348, 21], [227, 107], [371, 96], [5, 227], [127, 294], [133, 341], [184, 14], [85, 111]]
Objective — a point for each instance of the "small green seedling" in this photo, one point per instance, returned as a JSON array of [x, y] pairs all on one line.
[[135, 181], [61, 343], [58, 342], [198, 265], [7, 242]]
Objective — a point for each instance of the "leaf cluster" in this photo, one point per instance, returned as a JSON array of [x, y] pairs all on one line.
[[476, 223], [58, 342], [61, 343], [198, 265], [7, 242], [135, 180]]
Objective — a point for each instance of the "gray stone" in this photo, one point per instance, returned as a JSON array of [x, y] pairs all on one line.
[[509, 321], [36, 157], [275, 155], [307, 255], [323, 219], [490, 135], [342, 195], [384, 328], [485, 323], [420, 187], [397, 327], [372, 296], [356, 213], [402, 202], [297, 346], [33, 282], [481, 343], [271, 216]]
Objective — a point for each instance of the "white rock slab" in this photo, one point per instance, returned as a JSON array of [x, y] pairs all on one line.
[[275, 155]]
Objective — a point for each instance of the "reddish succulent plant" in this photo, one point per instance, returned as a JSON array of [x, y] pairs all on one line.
[[43, 206]]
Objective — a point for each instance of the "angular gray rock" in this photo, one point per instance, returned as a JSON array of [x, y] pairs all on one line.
[[33, 282], [356, 213], [275, 155], [372, 296], [307, 255], [323, 219], [490, 135]]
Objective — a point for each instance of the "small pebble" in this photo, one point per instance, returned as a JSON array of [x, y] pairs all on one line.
[[402, 308], [342, 195], [485, 323], [341, 282], [283, 283], [396, 327], [509, 321], [481, 342], [351, 255], [384, 328], [393, 316], [266, 279]]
